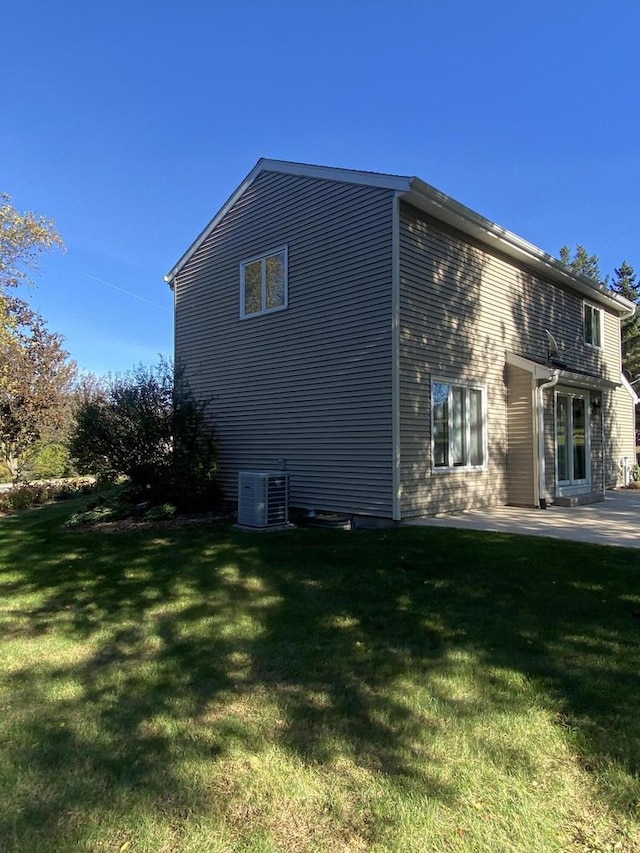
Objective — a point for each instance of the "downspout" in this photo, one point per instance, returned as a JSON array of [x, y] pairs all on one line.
[[542, 497], [604, 467], [631, 313]]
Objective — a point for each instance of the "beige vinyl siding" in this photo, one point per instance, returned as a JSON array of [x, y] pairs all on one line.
[[462, 307], [620, 415], [597, 446], [442, 334], [549, 419], [521, 450], [611, 346], [311, 384]]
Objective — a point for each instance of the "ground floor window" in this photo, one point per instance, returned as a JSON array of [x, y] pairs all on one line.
[[458, 426]]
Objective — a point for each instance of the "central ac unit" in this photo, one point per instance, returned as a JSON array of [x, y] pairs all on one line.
[[263, 499]]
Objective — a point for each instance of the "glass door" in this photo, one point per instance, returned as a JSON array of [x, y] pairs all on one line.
[[572, 438]]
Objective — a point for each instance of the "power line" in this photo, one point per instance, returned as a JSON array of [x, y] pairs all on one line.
[[126, 292]]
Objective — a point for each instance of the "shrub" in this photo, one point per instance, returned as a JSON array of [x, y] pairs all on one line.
[[147, 426], [160, 513], [91, 516], [127, 502], [20, 497], [38, 493]]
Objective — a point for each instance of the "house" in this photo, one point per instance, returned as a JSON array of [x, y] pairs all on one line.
[[396, 353]]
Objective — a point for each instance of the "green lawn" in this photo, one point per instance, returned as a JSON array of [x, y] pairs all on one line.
[[400, 690]]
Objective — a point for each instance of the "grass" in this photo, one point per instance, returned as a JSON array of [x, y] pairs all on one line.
[[402, 690]]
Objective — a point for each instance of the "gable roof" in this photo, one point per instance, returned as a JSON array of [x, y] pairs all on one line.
[[437, 204]]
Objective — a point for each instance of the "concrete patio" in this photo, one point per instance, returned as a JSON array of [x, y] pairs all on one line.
[[614, 521]]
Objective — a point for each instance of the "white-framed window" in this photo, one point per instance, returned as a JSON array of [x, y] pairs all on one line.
[[592, 318], [263, 283], [458, 425]]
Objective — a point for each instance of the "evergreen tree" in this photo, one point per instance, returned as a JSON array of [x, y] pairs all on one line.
[[582, 262], [625, 284]]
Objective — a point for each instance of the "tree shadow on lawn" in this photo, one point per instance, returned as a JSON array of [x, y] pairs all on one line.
[[162, 634], [558, 613]]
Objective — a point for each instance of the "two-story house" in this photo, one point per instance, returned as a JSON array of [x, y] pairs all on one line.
[[395, 352]]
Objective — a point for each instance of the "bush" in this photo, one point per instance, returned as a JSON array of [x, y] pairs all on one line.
[[126, 503], [91, 516], [38, 493], [147, 426], [20, 497], [160, 513]]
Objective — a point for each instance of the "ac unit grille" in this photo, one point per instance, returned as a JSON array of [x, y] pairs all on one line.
[[263, 498]]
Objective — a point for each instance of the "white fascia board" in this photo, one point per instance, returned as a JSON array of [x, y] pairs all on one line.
[[538, 371], [398, 183], [566, 377], [437, 204], [582, 380], [226, 207], [446, 209], [629, 388]]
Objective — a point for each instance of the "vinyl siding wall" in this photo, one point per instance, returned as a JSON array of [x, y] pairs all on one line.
[[521, 449], [462, 307], [597, 447], [311, 384], [620, 413]]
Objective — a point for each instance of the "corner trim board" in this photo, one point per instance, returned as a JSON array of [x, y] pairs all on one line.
[[395, 355]]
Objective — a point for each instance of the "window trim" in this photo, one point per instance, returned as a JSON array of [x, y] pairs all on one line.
[[599, 313], [467, 386], [263, 257]]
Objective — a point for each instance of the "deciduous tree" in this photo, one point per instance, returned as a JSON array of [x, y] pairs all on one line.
[[35, 370], [36, 376], [24, 235]]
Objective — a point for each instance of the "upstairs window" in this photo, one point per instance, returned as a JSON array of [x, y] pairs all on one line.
[[592, 326], [263, 283], [458, 425]]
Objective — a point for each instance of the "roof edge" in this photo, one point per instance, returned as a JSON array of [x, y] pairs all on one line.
[[566, 376], [434, 202], [398, 183], [450, 211], [629, 387], [202, 236]]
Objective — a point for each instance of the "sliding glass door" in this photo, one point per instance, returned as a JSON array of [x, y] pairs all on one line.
[[572, 439]]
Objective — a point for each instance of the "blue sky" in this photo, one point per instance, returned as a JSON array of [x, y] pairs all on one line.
[[131, 123]]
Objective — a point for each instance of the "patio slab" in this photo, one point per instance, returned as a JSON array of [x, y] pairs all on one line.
[[614, 521]]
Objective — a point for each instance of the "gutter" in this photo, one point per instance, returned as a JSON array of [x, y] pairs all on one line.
[[446, 209], [542, 489]]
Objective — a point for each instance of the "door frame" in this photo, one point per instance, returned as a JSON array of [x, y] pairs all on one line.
[[573, 486]]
